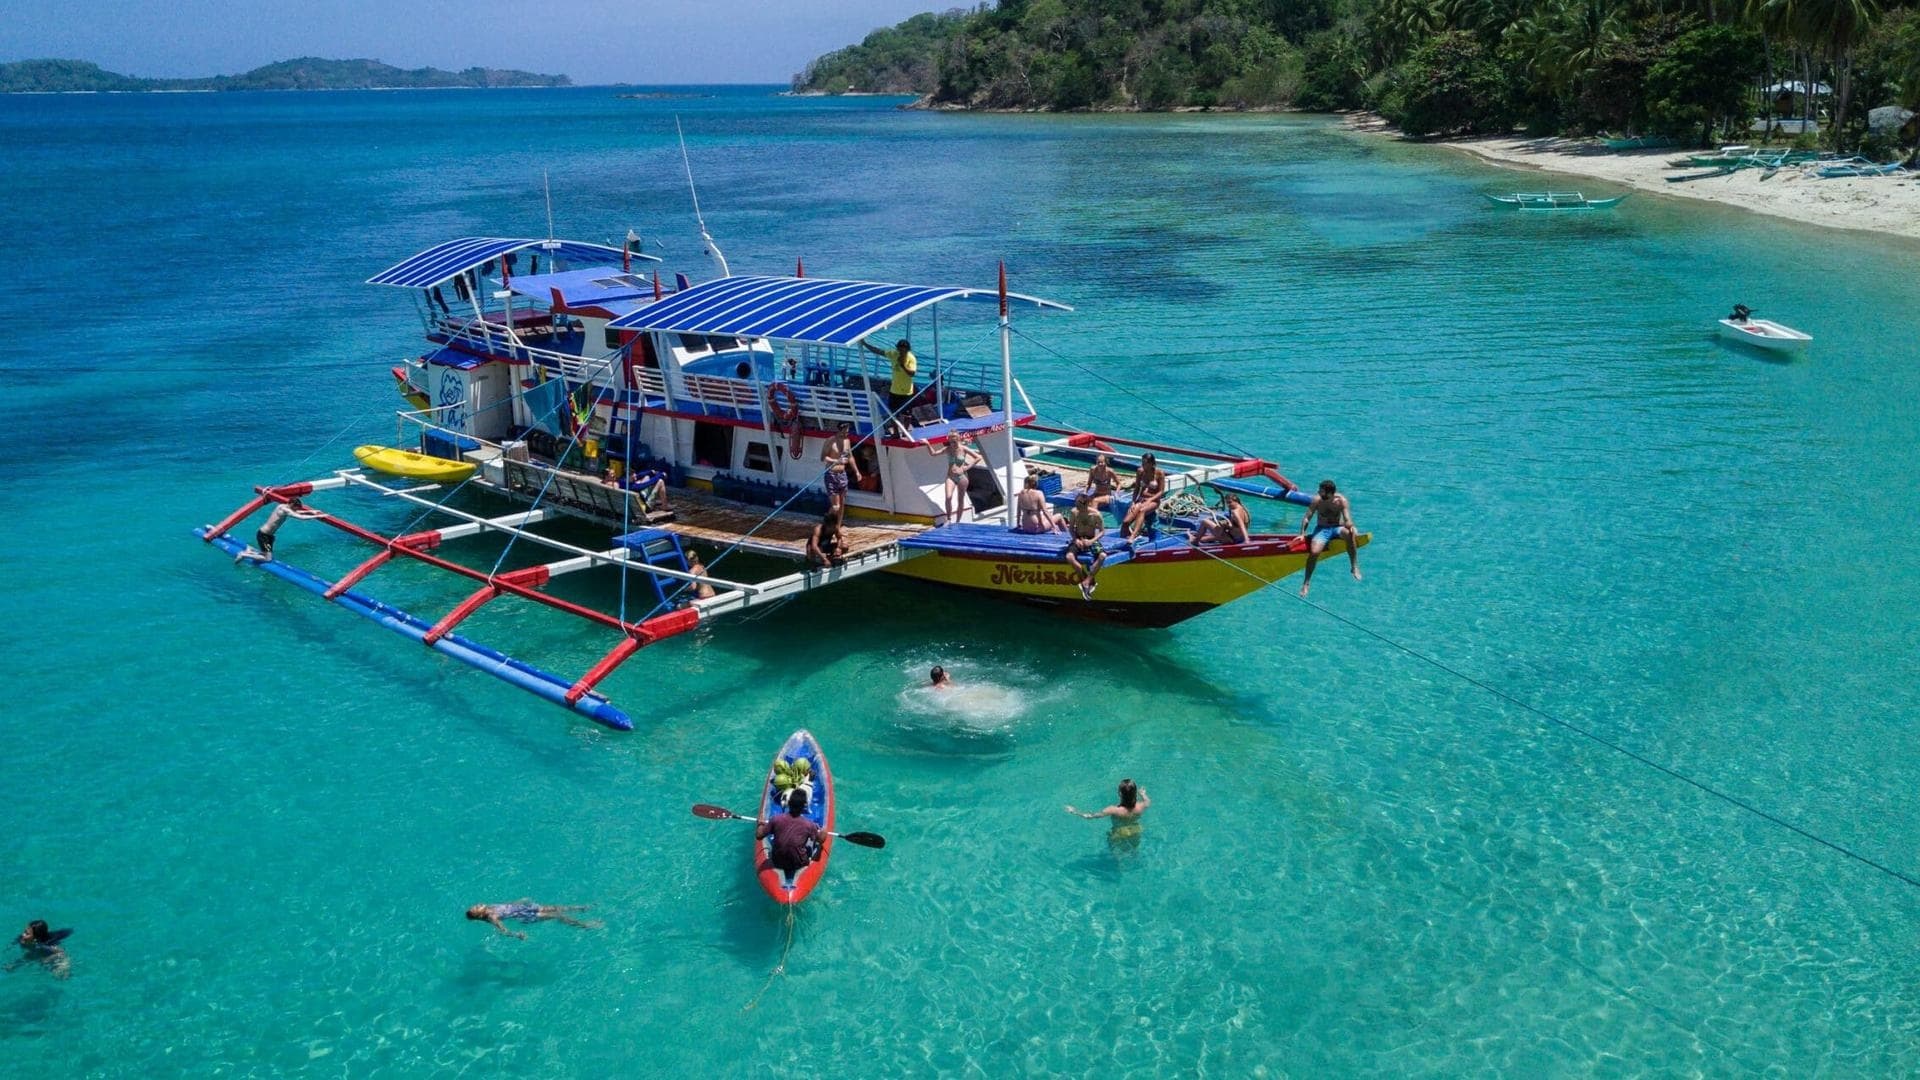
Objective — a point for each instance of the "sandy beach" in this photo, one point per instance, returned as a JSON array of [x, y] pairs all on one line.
[[1875, 204]]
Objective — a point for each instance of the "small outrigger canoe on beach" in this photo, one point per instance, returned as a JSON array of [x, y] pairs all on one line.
[[731, 413]]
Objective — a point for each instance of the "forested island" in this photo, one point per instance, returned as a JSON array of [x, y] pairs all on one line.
[[1685, 69], [306, 73]]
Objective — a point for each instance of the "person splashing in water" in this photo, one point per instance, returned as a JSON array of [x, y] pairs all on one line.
[[528, 911], [941, 680]]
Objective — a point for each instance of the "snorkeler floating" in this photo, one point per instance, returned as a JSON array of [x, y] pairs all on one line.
[[526, 910]]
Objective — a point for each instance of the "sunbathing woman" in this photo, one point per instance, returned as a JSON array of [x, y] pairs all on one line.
[[1149, 485]]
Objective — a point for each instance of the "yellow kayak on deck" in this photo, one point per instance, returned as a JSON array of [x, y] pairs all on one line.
[[413, 466]]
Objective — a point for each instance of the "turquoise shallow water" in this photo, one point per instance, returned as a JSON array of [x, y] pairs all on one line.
[[264, 816]]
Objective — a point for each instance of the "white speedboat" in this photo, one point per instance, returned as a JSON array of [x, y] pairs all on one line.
[[1764, 333]]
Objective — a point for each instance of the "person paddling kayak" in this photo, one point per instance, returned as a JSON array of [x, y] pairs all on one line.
[[795, 839]]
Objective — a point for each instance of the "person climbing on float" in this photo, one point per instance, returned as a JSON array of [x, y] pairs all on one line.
[[262, 549]]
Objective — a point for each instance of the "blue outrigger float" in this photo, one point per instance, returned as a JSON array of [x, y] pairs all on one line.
[[698, 413]]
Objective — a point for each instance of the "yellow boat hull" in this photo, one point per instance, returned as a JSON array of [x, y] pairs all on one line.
[[1154, 588], [412, 466]]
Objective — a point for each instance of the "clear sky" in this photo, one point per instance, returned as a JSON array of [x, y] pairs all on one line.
[[593, 41]]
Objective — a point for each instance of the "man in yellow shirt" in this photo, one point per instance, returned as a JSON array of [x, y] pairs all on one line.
[[905, 365]]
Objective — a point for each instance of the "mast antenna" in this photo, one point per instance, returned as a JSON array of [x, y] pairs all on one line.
[[713, 249], [546, 185]]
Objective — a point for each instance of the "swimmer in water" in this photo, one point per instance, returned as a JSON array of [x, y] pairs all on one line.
[[42, 946], [525, 910], [941, 680], [1126, 813]]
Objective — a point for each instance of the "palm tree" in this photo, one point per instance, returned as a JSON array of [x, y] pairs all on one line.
[[1832, 26]]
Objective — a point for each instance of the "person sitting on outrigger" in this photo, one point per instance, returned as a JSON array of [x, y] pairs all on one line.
[[1126, 813], [39, 945], [1149, 485], [827, 545], [796, 841], [1086, 525], [1230, 527], [1035, 515], [526, 910]]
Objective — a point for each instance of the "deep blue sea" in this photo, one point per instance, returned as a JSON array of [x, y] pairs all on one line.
[[1377, 847]]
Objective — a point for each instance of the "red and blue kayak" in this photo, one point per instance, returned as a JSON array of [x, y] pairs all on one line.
[[791, 888]]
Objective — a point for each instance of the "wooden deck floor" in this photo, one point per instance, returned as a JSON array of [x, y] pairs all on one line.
[[715, 521]]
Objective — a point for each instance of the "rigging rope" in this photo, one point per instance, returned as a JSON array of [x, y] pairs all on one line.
[[1702, 786], [1143, 399]]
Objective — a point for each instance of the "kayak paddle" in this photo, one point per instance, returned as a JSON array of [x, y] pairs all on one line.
[[721, 813]]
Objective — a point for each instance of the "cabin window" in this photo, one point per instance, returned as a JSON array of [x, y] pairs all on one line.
[[694, 343], [712, 445], [613, 340], [758, 457]]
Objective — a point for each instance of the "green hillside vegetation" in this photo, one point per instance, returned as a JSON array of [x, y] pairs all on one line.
[[306, 73], [1681, 68], [900, 59]]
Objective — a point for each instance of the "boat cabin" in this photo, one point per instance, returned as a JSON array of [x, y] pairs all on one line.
[[732, 386]]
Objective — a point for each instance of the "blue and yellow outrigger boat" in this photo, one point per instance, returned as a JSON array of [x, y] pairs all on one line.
[[697, 413]]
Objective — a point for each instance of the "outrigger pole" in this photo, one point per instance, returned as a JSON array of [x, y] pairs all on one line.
[[1006, 399], [576, 695]]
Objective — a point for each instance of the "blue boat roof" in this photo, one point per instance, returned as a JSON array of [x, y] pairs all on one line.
[[597, 285], [814, 310], [968, 538], [443, 261]]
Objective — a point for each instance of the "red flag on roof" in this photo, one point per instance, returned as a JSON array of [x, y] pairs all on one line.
[[799, 268]]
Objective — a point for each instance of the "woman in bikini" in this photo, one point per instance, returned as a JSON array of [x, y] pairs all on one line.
[[960, 456], [1149, 484]]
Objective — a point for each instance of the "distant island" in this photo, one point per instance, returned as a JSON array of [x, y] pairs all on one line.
[[305, 73]]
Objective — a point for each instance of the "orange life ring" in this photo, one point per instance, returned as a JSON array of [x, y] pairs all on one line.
[[789, 412]]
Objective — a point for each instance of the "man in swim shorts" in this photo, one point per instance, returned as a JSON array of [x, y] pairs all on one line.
[[1335, 521], [1087, 526], [841, 467], [526, 910]]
